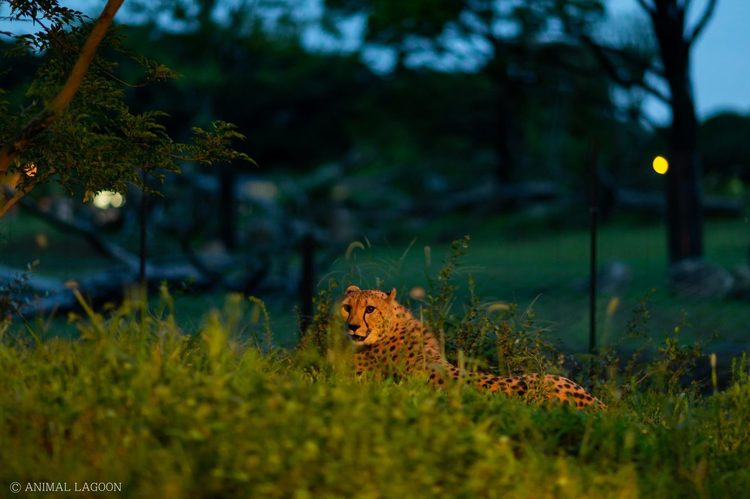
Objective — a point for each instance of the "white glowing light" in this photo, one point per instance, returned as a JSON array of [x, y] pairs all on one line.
[[108, 199], [117, 200], [101, 199]]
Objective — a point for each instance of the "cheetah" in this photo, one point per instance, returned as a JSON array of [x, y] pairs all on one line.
[[388, 339]]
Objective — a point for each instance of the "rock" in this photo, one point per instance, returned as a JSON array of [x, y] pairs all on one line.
[[741, 287], [695, 277], [614, 277]]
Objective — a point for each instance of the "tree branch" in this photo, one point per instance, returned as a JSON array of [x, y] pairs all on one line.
[[702, 22], [9, 203], [88, 51], [650, 122], [61, 101], [611, 69], [88, 233], [631, 58], [649, 9], [196, 268]]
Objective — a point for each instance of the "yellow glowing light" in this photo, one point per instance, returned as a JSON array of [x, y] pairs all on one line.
[[661, 165], [41, 240], [30, 169]]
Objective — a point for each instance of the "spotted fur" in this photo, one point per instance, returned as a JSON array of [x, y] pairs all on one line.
[[389, 340]]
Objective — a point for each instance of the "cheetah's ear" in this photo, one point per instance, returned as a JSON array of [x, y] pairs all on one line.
[[351, 290], [392, 295]]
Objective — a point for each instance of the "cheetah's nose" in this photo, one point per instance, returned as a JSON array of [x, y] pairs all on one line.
[[353, 327]]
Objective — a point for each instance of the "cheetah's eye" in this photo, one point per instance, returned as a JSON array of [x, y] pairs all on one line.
[[347, 308], [370, 309]]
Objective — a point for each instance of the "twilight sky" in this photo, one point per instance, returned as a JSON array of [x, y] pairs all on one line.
[[721, 58]]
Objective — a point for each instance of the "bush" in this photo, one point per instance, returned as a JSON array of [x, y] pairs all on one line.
[[218, 414]]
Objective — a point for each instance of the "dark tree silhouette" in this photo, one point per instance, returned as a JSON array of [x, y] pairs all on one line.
[[675, 40], [684, 220], [502, 38]]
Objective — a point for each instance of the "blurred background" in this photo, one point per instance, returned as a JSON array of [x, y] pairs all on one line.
[[385, 129]]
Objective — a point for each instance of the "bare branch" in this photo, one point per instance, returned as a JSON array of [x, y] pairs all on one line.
[[631, 58], [58, 105], [645, 6], [611, 69], [87, 232], [650, 122], [9, 203], [703, 21]]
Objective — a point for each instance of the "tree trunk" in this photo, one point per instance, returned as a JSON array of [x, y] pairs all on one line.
[[503, 155], [683, 190], [498, 72], [684, 197]]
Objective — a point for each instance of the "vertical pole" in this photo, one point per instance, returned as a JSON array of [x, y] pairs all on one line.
[[227, 205], [594, 214], [143, 215]]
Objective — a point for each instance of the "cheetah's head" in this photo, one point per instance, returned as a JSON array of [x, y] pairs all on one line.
[[369, 314]]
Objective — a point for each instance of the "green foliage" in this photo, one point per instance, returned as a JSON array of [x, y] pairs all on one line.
[[441, 289], [316, 334], [523, 344], [169, 414], [664, 365], [98, 143], [488, 334]]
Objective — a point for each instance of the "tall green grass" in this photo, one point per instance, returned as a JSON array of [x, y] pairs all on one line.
[[220, 412]]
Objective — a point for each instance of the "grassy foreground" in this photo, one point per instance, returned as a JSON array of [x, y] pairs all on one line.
[[166, 414]]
